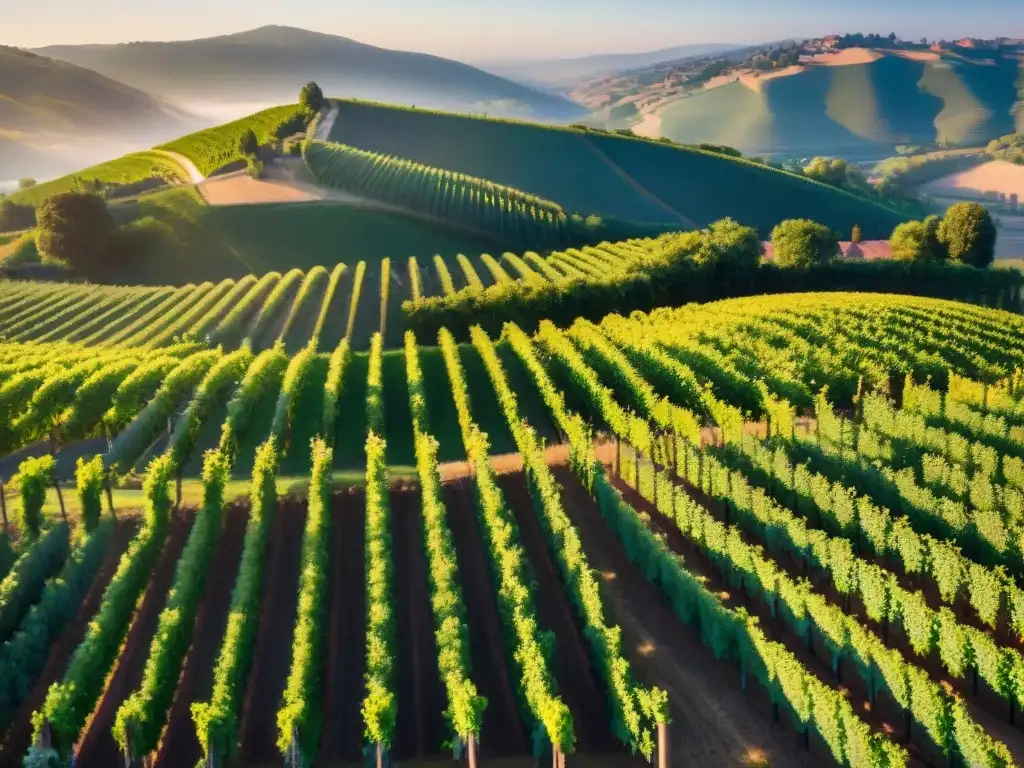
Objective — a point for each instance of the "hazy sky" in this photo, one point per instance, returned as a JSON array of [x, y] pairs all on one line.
[[485, 29]]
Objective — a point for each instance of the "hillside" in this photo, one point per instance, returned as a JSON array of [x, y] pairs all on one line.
[[568, 71], [49, 108], [589, 172], [858, 104], [270, 64]]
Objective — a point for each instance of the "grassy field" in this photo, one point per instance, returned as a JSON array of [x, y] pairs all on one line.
[[603, 174], [214, 148], [859, 111], [128, 170], [181, 239]]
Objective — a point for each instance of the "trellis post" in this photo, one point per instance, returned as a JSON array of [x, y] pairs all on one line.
[[664, 747]]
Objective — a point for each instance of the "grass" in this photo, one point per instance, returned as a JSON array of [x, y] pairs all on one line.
[[18, 249], [860, 111], [128, 170], [177, 238], [215, 148], [611, 175]]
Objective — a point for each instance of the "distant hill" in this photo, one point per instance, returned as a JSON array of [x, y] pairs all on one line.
[[48, 106], [270, 64], [589, 172], [570, 71], [860, 110]]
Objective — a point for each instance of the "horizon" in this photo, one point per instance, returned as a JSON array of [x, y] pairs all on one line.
[[475, 33]]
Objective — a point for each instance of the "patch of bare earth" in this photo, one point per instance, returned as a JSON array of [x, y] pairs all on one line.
[[995, 176], [843, 58], [242, 189]]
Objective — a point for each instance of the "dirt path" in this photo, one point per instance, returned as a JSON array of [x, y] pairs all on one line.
[[325, 126], [713, 722], [502, 733], [341, 739], [578, 684], [19, 737], [97, 745], [422, 729], [179, 747], [272, 654], [194, 176]]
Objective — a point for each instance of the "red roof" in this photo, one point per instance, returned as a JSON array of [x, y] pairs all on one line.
[[866, 249]]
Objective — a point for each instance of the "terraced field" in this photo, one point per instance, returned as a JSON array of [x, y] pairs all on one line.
[[781, 529]]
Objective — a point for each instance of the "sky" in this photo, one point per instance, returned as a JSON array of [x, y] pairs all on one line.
[[482, 30]]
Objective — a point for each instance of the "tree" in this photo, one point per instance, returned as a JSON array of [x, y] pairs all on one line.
[[731, 245], [829, 170], [969, 234], [75, 227], [856, 235], [311, 97], [26, 183], [15, 216], [804, 243], [248, 144]]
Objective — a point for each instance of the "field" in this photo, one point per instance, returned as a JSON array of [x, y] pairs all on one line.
[[609, 176], [214, 148], [996, 176], [181, 238], [802, 511], [859, 110], [136, 171]]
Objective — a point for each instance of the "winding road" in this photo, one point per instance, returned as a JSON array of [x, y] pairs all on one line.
[[194, 176], [323, 128]]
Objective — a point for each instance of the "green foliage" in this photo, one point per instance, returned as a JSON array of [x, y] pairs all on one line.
[[731, 246], [803, 243], [215, 148], [141, 718], [34, 477], [89, 485], [20, 588], [217, 721], [15, 216], [69, 702], [311, 97], [299, 718], [917, 241], [505, 212], [23, 657], [75, 228], [969, 234]]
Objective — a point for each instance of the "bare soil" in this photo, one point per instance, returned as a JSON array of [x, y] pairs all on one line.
[[19, 737], [342, 736], [577, 681], [272, 655], [502, 733], [713, 722], [994, 176], [97, 745], [179, 747], [421, 728]]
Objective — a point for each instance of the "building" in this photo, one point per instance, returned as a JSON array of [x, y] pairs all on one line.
[[830, 43]]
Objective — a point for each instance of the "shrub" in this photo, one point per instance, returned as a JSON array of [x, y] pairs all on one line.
[[76, 228], [15, 216], [255, 167], [728, 244], [969, 234], [918, 241], [855, 235], [311, 97], [803, 243], [26, 183], [89, 482], [34, 477], [248, 144]]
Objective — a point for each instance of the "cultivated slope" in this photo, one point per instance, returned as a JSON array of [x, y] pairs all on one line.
[[859, 110], [629, 179], [271, 63]]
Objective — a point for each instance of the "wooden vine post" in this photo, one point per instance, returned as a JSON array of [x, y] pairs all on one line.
[[664, 746], [3, 509], [471, 749]]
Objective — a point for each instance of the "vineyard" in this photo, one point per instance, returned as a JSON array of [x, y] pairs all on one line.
[[625, 178], [778, 530], [297, 308]]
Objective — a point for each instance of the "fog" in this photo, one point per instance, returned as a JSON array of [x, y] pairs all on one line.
[[209, 113], [8, 186]]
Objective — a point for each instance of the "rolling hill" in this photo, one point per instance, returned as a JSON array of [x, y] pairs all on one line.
[[569, 71], [269, 64], [52, 110], [859, 110], [612, 176]]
